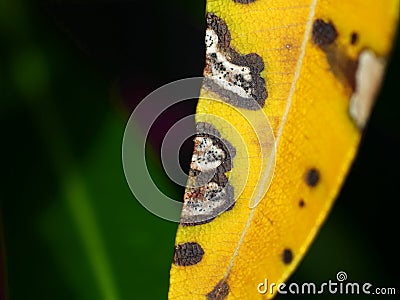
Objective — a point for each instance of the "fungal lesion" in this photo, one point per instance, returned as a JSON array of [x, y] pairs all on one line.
[[208, 192], [244, 1], [343, 67], [287, 256], [353, 38], [361, 76], [207, 154], [312, 177], [234, 77], [219, 292], [202, 204], [188, 254]]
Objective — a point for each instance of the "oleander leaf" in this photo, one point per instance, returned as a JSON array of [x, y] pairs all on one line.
[[288, 89]]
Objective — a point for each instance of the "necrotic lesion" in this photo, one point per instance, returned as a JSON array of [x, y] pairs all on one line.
[[208, 192], [234, 77], [188, 254]]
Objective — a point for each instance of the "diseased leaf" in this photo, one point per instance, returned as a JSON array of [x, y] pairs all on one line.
[[313, 69]]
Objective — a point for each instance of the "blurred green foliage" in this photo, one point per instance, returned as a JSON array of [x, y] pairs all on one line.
[[70, 72]]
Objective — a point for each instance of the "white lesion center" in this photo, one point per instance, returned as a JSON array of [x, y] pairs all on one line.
[[369, 77], [204, 200], [228, 76], [206, 155]]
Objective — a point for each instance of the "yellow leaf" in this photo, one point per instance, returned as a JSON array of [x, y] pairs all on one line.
[[294, 82]]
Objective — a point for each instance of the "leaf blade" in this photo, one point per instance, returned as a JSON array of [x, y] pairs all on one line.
[[315, 147]]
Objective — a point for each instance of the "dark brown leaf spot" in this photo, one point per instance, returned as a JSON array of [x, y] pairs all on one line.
[[287, 256], [302, 203], [323, 33], [188, 254], [244, 1], [220, 28], [354, 38], [312, 177], [220, 291]]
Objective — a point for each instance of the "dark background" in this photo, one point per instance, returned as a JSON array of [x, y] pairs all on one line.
[[70, 73]]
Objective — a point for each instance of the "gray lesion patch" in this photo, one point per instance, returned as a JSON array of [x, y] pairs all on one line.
[[208, 192], [234, 77]]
